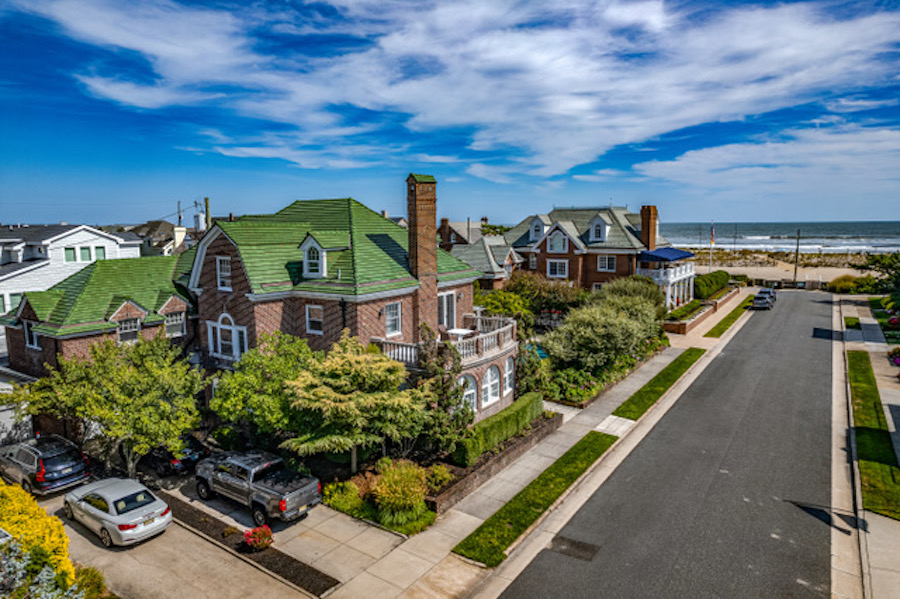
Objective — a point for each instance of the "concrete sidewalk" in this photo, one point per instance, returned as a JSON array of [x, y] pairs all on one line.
[[881, 535]]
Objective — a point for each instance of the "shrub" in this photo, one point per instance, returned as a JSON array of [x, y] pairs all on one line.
[[400, 494], [488, 434], [227, 437], [36, 530], [437, 477], [29, 574], [596, 337], [543, 294], [342, 496], [843, 284], [685, 311], [258, 538], [633, 286], [90, 581], [506, 303], [706, 285], [573, 385], [383, 464]]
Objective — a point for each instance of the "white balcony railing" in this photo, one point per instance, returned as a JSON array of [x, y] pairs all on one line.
[[665, 276]]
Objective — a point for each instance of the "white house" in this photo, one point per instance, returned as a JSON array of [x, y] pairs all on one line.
[[36, 257]]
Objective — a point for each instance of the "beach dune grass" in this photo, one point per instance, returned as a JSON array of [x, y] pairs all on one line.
[[488, 543], [634, 407], [879, 471], [724, 324]]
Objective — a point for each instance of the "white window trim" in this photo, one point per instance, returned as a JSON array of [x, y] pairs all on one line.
[[90, 252], [490, 387], [509, 369], [532, 261], [100, 247], [175, 318], [604, 227], [441, 296], [124, 326], [32, 339], [399, 331], [220, 261], [596, 286], [558, 276], [557, 234], [238, 337], [469, 386], [323, 260], [310, 331], [75, 255], [606, 258], [536, 230]]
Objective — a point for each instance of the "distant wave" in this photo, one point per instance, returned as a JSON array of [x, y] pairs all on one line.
[[757, 237]]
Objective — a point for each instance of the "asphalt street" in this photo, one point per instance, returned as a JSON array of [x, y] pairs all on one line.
[[728, 495]]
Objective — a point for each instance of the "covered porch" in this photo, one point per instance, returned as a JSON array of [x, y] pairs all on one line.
[[663, 266]]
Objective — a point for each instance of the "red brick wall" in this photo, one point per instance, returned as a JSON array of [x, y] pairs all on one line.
[[28, 360], [211, 303], [590, 274], [479, 372], [575, 262], [369, 322], [126, 311]]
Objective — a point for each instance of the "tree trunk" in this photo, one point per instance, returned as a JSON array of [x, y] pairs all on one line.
[[130, 461], [353, 460]]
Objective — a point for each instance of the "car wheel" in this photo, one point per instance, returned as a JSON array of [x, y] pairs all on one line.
[[203, 490], [26, 486], [105, 538], [259, 515], [67, 510]]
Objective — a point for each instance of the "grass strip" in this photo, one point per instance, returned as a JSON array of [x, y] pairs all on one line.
[[724, 324], [878, 468], [647, 395], [686, 311], [851, 322], [489, 541]]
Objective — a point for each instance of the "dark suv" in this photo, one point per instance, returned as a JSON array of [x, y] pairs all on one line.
[[44, 465]]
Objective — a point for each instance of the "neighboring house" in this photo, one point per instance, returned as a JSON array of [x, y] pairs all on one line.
[[317, 267], [493, 256], [591, 246], [109, 299], [36, 257], [162, 238], [459, 233], [397, 220]]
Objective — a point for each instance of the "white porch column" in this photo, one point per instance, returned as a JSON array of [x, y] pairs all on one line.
[[668, 297]]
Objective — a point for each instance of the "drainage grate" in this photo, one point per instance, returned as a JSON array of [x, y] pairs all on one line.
[[572, 548]]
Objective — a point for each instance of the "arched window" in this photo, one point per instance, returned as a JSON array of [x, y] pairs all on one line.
[[598, 231], [490, 386], [313, 264], [470, 390], [558, 243], [508, 376], [537, 229], [226, 340]]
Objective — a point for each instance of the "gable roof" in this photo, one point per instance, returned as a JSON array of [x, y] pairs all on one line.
[[33, 234], [488, 254], [367, 253], [624, 228], [85, 301]]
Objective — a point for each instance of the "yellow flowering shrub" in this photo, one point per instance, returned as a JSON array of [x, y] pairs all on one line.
[[23, 518]]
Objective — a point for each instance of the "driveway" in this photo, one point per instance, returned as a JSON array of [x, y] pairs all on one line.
[[176, 564], [728, 495]]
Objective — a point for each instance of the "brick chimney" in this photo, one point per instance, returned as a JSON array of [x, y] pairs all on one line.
[[421, 207], [649, 220]]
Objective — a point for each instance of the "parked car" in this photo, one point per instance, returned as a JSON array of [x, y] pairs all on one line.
[[260, 481], [120, 511], [44, 465], [164, 462], [762, 302], [769, 292]]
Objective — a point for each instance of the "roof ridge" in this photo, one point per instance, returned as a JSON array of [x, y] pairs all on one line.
[[351, 230]]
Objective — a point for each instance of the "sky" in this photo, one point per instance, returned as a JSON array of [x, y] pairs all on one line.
[[113, 112]]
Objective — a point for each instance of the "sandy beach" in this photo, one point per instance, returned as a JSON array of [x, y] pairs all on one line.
[[772, 266]]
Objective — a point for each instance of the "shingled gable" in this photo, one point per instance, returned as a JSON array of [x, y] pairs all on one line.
[[367, 253], [93, 299]]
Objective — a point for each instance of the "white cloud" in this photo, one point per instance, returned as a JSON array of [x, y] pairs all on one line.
[[554, 84], [489, 173]]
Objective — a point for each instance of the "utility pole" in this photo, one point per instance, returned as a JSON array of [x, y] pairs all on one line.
[[712, 242], [796, 256]]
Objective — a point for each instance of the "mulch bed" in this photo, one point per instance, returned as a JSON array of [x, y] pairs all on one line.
[[273, 560]]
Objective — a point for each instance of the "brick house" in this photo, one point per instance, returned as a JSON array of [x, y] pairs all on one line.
[[592, 246], [108, 299], [317, 267]]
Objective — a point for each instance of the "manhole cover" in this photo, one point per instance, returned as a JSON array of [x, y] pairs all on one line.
[[573, 548]]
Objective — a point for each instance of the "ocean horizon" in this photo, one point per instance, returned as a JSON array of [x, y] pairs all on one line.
[[815, 237]]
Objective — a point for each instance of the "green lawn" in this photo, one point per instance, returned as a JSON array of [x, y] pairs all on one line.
[[724, 324], [685, 311], [851, 322], [647, 395], [489, 541], [878, 468]]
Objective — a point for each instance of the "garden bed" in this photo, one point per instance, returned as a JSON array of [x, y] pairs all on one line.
[[296, 572], [489, 464]]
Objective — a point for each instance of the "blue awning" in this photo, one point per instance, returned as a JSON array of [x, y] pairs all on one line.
[[664, 255]]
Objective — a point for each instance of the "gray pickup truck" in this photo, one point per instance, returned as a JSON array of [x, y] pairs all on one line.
[[262, 482]]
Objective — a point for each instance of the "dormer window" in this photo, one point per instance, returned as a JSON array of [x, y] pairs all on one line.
[[128, 330], [599, 230], [558, 243], [313, 263], [223, 273], [315, 259], [537, 229]]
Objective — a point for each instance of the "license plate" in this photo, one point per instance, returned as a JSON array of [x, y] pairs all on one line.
[[149, 522], [65, 470], [301, 508]]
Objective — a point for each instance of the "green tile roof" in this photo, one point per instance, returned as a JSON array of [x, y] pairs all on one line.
[[85, 301], [366, 253], [422, 178]]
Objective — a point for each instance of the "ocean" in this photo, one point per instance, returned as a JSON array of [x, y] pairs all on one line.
[[824, 237]]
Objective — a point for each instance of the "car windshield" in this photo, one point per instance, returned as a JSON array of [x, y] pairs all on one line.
[[62, 460], [134, 501]]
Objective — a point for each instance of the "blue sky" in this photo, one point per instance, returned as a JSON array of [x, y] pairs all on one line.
[[114, 111]]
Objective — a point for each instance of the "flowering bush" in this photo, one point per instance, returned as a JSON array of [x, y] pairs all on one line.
[[36, 530], [258, 538], [894, 353], [894, 322]]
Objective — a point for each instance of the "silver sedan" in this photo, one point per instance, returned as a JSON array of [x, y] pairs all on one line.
[[120, 511]]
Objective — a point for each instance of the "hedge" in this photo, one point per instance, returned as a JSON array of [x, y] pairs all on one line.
[[25, 520], [706, 285], [488, 434]]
